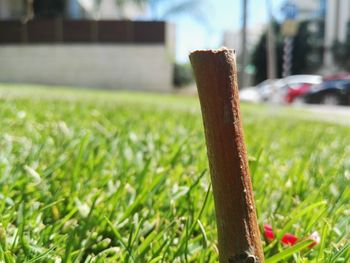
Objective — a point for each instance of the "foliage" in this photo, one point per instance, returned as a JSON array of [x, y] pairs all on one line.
[[308, 47], [182, 75], [47, 8], [90, 176], [259, 56], [307, 50]]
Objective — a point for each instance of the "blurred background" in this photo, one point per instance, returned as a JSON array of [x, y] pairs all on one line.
[[288, 51]]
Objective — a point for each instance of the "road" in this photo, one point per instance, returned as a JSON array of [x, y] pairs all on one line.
[[335, 114]]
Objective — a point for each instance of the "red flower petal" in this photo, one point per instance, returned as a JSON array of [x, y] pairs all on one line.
[[289, 239], [268, 232]]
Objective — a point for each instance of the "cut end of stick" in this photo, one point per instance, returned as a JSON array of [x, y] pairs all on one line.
[[212, 51], [208, 62], [228, 54]]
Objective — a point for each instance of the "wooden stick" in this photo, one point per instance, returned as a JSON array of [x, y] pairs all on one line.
[[238, 232]]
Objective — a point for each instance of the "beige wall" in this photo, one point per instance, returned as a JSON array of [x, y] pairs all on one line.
[[135, 67]]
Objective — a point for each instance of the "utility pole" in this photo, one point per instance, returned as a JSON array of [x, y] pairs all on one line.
[[244, 55], [271, 46]]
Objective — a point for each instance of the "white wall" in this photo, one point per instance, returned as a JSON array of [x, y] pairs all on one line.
[[134, 67]]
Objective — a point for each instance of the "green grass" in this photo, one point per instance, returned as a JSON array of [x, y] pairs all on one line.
[[97, 176]]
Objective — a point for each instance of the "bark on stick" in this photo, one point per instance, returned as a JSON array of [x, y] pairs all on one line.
[[238, 232]]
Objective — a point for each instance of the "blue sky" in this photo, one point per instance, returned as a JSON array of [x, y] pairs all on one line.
[[220, 15]]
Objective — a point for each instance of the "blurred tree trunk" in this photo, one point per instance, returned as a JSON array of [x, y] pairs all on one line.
[[29, 11], [244, 59]]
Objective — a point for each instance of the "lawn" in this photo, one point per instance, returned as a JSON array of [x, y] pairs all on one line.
[[100, 176]]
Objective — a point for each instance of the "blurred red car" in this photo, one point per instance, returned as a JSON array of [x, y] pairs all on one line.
[[296, 91]]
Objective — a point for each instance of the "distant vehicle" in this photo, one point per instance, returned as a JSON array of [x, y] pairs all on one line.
[[337, 76], [299, 90], [261, 92], [298, 79], [295, 92], [275, 90], [299, 85], [331, 92]]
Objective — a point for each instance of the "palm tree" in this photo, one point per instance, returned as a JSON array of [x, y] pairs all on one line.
[[159, 9], [192, 7], [168, 8]]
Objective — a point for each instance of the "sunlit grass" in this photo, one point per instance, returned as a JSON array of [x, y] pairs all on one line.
[[90, 176]]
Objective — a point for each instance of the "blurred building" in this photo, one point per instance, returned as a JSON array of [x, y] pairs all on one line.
[[73, 9], [309, 9], [306, 10], [336, 16], [67, 47], [336, 27]]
